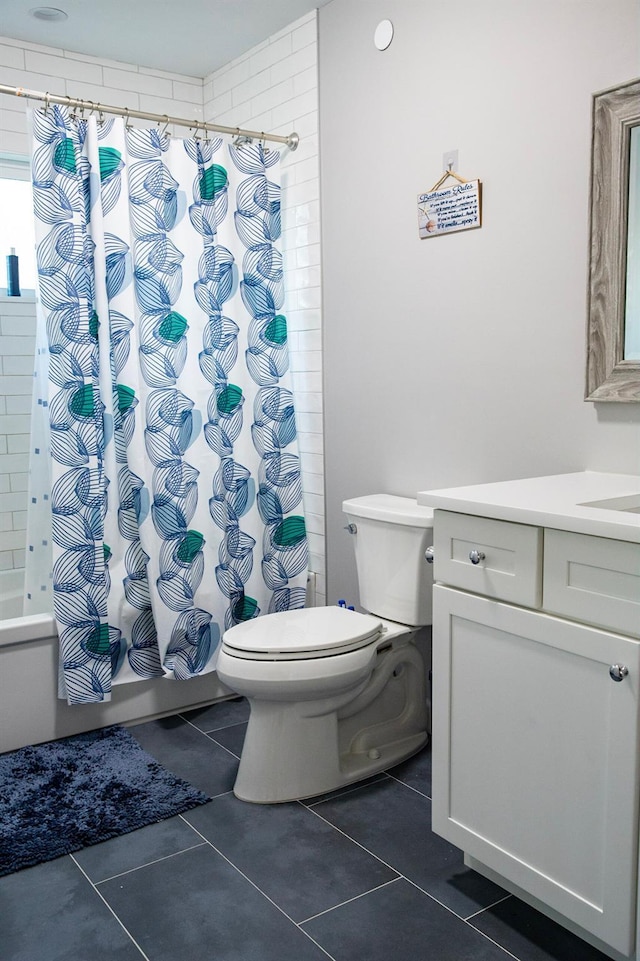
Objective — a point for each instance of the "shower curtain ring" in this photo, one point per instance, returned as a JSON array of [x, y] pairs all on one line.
[[46, 102], [165, 130], [127, 120]]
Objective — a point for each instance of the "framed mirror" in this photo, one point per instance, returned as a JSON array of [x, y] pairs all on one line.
[[613, 319]]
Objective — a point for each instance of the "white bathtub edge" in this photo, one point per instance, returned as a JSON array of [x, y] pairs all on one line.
[[34, 627]]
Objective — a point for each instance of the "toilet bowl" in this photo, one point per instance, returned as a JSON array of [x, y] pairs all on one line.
[[337, 695]]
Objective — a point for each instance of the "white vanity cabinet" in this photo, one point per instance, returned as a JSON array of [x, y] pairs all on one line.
[[536, 712]]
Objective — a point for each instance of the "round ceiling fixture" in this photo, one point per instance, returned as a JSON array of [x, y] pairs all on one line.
[[48, 13], [383, 35]]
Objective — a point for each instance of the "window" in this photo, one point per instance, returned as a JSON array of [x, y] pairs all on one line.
[[16, 220]]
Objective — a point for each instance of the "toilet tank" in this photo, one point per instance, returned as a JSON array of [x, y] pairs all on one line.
[[391, 536]]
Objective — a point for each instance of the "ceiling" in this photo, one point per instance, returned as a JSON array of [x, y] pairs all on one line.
[[190, 37]]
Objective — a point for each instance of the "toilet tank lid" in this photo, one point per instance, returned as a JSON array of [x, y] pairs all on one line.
[[390, 508]]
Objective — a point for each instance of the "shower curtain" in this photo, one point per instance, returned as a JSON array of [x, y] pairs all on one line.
[[176, 502]]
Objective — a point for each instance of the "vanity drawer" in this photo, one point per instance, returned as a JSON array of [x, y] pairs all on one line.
[[593, 579], [511, 568]]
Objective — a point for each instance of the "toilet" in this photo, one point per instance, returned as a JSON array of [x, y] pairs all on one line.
[[337, 695]]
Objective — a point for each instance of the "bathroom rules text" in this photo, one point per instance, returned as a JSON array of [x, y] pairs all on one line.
[[449, 209]]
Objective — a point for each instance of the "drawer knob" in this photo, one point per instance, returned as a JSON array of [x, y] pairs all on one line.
[[618, 672], [476, 556]]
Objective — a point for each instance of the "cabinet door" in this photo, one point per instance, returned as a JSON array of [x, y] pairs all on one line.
[[535, 756]]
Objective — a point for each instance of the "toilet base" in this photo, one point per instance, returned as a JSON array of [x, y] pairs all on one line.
[[297, 750], [276, 775]]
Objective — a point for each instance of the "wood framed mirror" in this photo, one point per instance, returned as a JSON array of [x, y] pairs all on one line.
[[613, 318]]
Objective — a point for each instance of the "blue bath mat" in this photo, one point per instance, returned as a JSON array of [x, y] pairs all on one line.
[[65, 795]]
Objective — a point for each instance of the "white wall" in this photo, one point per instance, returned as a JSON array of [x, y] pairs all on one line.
[[274, 87], [460, 359]]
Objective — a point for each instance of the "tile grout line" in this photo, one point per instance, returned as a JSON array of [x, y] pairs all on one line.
[[488, 907], [104, 901], [235, 756], [342, 792], [146, 864], [464, 920], [356, 897], [508, 953], [208, 735], [260, 891], [214, 797], [213, 730], [353, 840], [417, 886], [410, 786]]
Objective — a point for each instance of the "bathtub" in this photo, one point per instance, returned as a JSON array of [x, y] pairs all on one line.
[[30, 710]]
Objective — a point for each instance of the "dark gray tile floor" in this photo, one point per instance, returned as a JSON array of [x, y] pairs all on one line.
[[356, 875]]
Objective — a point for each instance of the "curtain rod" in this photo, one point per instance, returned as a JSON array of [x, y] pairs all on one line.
[[291, 141]]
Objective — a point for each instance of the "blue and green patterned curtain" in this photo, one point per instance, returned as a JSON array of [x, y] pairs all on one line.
[[176, 498]]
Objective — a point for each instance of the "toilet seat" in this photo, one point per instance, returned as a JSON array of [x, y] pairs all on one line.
[[302, 634]]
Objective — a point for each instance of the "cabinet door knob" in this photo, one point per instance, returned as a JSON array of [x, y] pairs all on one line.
[[618, 672], [476, 556]]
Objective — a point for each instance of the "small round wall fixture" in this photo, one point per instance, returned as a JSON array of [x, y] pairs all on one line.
[[50, 14], [383, 35]]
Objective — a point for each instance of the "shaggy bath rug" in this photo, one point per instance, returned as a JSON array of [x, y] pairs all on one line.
[[62, 796]]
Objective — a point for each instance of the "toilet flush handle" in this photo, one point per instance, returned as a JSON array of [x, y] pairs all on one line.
[[429, 555], [351, 528]]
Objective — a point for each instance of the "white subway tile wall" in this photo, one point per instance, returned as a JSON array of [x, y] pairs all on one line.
[[17, 348], [73, 74], [273, 87]]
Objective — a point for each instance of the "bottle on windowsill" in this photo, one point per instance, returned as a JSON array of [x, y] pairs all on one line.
[[13, 274]]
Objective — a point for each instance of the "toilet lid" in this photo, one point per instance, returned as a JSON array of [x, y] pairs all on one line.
[[309, 632]]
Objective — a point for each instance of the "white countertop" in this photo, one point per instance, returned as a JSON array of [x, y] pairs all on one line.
[[557, 501]]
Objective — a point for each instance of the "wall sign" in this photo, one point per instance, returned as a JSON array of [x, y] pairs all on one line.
[[444, 210]]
